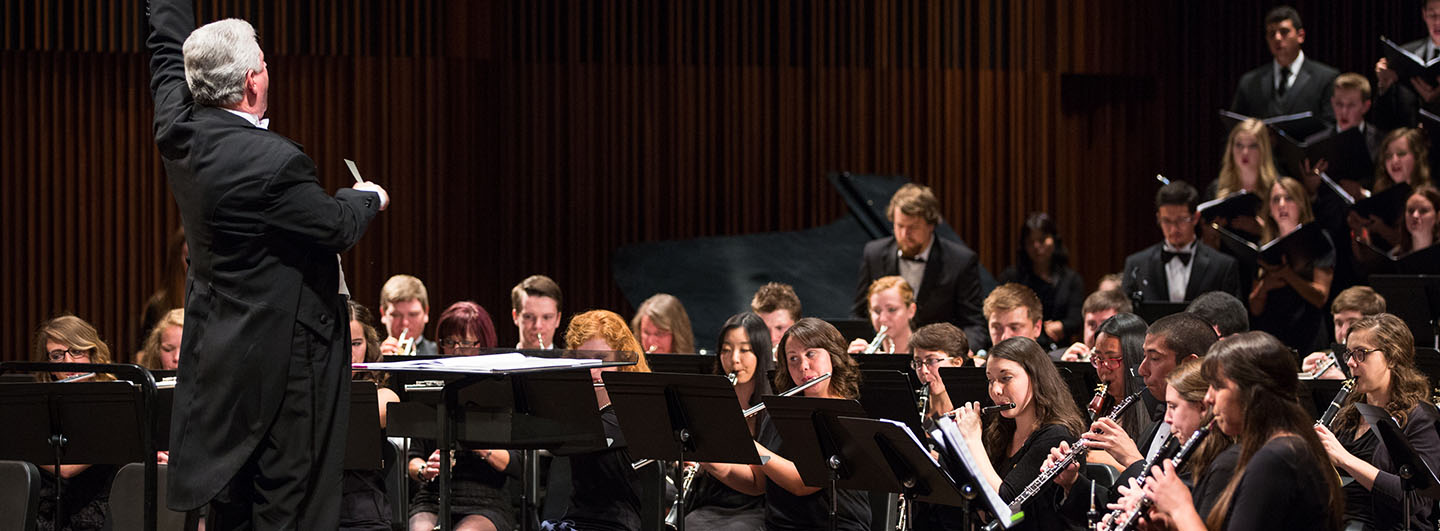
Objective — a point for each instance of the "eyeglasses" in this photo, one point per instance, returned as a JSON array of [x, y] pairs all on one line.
[[930, 363], [1104, 363], [1180, 222], [1358, 354], [455, 343], [74, 354]]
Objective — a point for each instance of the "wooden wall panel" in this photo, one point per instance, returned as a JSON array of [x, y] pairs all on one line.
[[537, 136]]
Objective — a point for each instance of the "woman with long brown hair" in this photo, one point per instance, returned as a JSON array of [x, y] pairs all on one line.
[[1288, 299], [1015, 442], [1381, 357], [1282, 478]]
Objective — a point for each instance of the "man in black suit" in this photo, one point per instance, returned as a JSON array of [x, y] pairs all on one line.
[[1398, 104], [1178, 269], [260, 412], [1289, 84], [945, 274]]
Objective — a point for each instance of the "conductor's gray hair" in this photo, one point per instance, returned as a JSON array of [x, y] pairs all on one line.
[[217, 57]]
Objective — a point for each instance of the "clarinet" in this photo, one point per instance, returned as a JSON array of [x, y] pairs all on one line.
[[1120, 519], [1329, 415], [1049, 474]]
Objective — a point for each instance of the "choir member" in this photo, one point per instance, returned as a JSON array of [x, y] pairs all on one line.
[[663, 326], [535, 308], [1043, 266], [606, 489], [477, 488], [744, 351], [1177, 269], [1098, 307], [1287, 299], [1014, 443], [1381, 356], [1291, 83], [1399, 103], [811, 348], [405, 310], [364, 503], [161, 351], [892, 307], [1420, 220], [1282, 477], [778, 305], [85, 489]]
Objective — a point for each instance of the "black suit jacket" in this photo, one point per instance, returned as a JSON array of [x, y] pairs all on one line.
[[263, 283], [1255, 94], [949, 291], [1212, 271]]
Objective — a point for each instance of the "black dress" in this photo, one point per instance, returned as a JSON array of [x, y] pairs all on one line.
[[1283, 488], [1018, 470], [714, 505], [1295, 322], [606, 487], [1380, 506], [476, 488], [85, 499], [1062, 300], [787, 512]]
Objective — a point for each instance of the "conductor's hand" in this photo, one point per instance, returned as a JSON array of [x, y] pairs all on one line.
[[369, 186], [1066, 478]]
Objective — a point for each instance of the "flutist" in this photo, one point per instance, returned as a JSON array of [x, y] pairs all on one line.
[[811, 348]]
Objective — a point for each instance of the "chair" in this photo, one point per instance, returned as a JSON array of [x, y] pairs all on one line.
[[19, 495], [397, 482], [127, 500], [1102, 474]]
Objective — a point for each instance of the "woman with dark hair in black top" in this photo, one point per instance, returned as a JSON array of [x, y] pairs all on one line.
[[1282, 478], [1043, 265], [1016, 441], [744, 352], [810, 348]]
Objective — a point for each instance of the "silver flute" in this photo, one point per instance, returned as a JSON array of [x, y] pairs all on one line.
[[878, 341]]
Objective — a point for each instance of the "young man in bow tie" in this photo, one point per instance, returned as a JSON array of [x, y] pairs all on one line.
[[1178, 269]]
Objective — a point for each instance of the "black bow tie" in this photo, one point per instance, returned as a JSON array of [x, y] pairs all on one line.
[[915, 259], [1166, 256]]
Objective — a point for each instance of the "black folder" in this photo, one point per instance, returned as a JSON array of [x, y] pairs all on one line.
[[1238, 204], [1298, 125], [1388, 205], [1298, 249], [1347, 154], [1406, 64]]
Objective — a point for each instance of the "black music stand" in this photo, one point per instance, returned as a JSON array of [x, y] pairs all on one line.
[[965, 384], [704, 421], [362, 438], [968, 476], [822, 452], [919, 476], [1415, 474], [1081, 378], [530, 408], [683, 363], [1315, 395], [1416, 300], [890, 395], [82, 422], [884, 362]]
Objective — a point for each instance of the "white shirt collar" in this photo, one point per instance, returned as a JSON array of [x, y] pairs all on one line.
[[1186, 249], [1294, 68], [254, 120]]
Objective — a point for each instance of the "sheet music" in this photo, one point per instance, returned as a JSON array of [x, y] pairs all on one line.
[[480, 364], [956, 443]]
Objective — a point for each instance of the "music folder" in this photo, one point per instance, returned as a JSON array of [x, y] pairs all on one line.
[[1298, 125], [1346, 153], [962, 464], [1238, 204], [1407, 65], [1388, 206], [1298, 249]]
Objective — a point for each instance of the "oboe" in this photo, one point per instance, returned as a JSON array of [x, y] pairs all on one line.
[[1121, 519], [752, 410], [1046, 475], [1336, 403]]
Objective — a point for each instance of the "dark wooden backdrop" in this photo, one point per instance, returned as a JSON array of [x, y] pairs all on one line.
[[537, 136]]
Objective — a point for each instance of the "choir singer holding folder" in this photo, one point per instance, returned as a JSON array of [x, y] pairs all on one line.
[[260, 411]]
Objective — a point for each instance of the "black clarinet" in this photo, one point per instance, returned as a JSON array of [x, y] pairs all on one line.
[[1120, 519], [1336, 403], [1046, 475]]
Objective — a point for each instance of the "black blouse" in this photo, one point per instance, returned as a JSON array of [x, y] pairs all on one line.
[[1382, 504], [1290, 318], [1283, 488], [1018, 470], [606, 487], [1061, 300], [787, 512]]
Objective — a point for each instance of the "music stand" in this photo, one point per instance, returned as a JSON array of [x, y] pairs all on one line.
[[1415, 474], [1152, 310], [918, 475], [683, 363], [1315, 395], [704, 421], [967, 475], [82, 422], [1081, 378], [884, 362], [1414, 299], [890, 395], [362, 438], [965, 384], [823, 455], [852, 327]]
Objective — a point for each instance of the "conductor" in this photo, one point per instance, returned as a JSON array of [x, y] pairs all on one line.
[[259, 419]]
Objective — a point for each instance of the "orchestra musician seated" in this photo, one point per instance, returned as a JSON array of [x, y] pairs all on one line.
[[662, 326], [892, 309], [535, 308], [1222, 310], [1098, 307], [161, 351], [606, 488], [1381, 355], [1351, 305], [1013, 310], [364, 504], [405, 311], [779, 306], [85, 489], [934, 346]]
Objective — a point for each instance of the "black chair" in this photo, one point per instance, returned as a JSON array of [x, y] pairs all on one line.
[[127, 501], [397, 484], [1102, 474], [19, 495]]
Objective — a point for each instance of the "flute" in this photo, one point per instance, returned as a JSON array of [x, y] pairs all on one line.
[[77, 377], [752, 410], [878, 341], [1001, 407]]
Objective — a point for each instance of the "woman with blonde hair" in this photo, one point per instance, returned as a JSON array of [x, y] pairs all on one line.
[[1249, 165], [606, 489], [1405, 159], [892, 307], [162, 345], [68, 339], [662, 326], [1288, 299]]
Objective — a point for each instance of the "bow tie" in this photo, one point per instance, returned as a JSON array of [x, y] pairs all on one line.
[[1166, 256], [915, 259]]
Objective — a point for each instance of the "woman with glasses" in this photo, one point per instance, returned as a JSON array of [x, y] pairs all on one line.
[[1381, 357], [662, 326], [1288, 298], [85, 488], [711, 503], [932, 347], [892, 306], [477, 486]]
